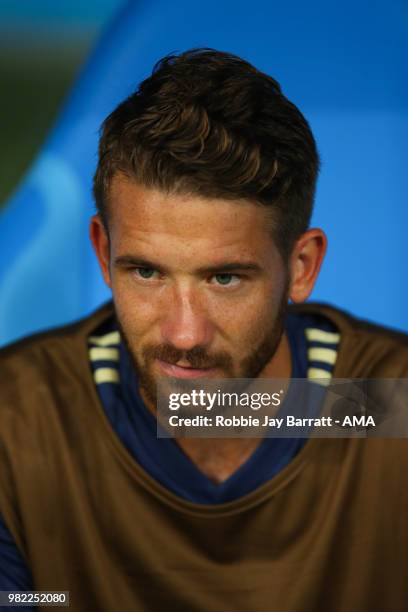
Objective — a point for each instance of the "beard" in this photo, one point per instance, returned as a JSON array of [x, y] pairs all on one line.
[[198, 357]]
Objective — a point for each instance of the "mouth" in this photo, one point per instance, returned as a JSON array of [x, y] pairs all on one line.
[[181, 371]]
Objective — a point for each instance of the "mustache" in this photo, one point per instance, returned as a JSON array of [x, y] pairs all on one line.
[[197, 357]]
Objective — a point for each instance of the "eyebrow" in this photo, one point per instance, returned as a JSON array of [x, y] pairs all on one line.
[[224, 266]]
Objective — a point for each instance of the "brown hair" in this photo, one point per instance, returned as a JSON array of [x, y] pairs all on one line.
[[208, 123]]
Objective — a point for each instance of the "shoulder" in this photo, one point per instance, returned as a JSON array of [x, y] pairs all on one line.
[[38, 365], [62, 339], [366, 349]]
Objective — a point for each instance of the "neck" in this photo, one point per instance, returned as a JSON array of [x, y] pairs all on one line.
[[219, 458]]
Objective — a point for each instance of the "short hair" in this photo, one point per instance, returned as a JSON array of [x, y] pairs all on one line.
[[208, 123]]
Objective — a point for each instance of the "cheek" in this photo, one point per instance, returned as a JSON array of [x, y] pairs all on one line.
[[244, 321], [134, 310], [134, 319]]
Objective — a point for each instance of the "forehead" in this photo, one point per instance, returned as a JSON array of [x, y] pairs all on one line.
[[175, 223]]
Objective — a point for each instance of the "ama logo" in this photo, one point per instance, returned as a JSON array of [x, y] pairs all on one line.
[[358, 421]]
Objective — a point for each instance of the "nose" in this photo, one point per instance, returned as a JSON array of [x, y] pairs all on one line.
[[185, 323]]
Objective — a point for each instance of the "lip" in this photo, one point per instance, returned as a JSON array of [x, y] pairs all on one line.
[[181, 372]]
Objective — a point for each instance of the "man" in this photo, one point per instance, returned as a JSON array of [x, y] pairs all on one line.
[[204, 189]]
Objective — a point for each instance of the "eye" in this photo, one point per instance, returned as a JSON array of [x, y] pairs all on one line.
[[145, 273], [225, 279]]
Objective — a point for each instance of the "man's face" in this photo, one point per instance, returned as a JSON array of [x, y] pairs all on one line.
[[199, 287]]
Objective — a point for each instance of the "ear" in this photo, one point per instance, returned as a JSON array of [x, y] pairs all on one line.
[[306, 259], [100, 241]]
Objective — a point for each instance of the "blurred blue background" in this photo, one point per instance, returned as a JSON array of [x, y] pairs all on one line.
[[344, 65]]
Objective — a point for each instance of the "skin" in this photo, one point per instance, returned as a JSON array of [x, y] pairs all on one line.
[[198, 285]]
